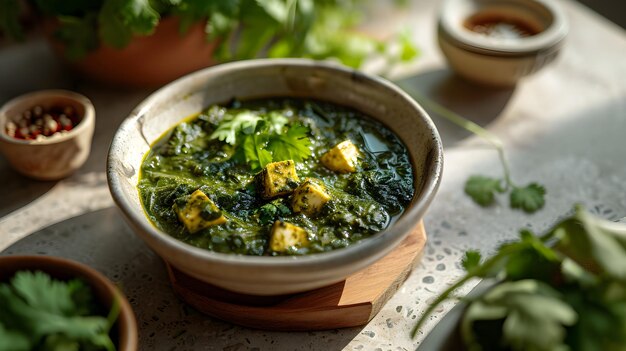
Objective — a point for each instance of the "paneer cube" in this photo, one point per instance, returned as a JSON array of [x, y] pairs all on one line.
[[199, 212], [277, 179], [342, 157], [285, 235], [309, 197]]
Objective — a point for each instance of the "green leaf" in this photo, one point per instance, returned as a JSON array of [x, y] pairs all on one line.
[[596, 244], [482, 189], [408, 50], [529, 198], [254, 150], [471, 260], [276, 122], [230, 126], [277, 9], [120, 20], [40, 307], [60, 342], [11, 340], [42, 293], [534, 315], [292, 145]]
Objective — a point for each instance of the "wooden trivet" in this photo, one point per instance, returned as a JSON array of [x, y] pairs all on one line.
[[350, 303]]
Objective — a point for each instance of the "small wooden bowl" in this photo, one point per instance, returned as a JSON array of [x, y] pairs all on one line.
[[54, 157], [125, 329]]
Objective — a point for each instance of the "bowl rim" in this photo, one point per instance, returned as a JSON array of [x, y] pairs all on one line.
[[81, 127], [367, 246], [126, 318], [550, 37]]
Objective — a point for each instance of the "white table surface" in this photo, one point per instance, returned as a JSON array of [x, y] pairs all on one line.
[[564, 127]]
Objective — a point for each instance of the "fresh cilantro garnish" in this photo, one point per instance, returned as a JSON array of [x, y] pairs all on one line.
[[254, 148], [529, 198], [565, 290], [230, 126], [39, 312], [483, 189], [471, 260], [292, 145], [264, 138]]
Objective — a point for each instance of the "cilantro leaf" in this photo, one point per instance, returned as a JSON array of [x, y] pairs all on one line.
[[529, 198], [471, 260], [228, 129], [41, 292], [482, 189], [293, 145], [534, 316], [119, 20], [594, 243], [276, 122], [43, 309], [11, 340], [254, 150]]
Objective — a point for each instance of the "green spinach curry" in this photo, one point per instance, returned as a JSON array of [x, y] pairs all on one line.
[[276, 177]]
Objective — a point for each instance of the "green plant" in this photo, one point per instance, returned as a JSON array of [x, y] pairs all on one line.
[[40, 313], [242, 29], [565, 290]]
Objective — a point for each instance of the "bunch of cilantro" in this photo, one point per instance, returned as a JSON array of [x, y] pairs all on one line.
[[242, 29], [262, 138], [40, 313], [565, 290]]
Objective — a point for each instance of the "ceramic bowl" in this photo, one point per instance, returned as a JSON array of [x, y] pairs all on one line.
[[273, 78], [500, 61], [54, 157], [125, 329]]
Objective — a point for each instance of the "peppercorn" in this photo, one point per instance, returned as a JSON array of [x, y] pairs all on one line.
[[39, 123]]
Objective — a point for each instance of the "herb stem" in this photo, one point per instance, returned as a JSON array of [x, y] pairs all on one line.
[[441, 298], [467, 125]]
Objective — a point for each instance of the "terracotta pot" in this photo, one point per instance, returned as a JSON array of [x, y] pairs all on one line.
[[125, 328], [148, 60]]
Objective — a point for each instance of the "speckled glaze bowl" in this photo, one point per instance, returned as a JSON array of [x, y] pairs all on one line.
[[266, 275], [124, 330], [54, 157]]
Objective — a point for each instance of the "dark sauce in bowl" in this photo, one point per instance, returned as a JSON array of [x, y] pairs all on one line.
[[499, 25], [362, 203]]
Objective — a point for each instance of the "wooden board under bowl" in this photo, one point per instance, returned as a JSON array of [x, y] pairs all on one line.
[[350, 303]]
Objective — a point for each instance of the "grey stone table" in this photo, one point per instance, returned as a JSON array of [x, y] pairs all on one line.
[[565, 127]]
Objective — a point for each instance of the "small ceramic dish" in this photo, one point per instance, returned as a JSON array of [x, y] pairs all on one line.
[[124, 330], [497, 42], [56, 156], [267, 275]]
